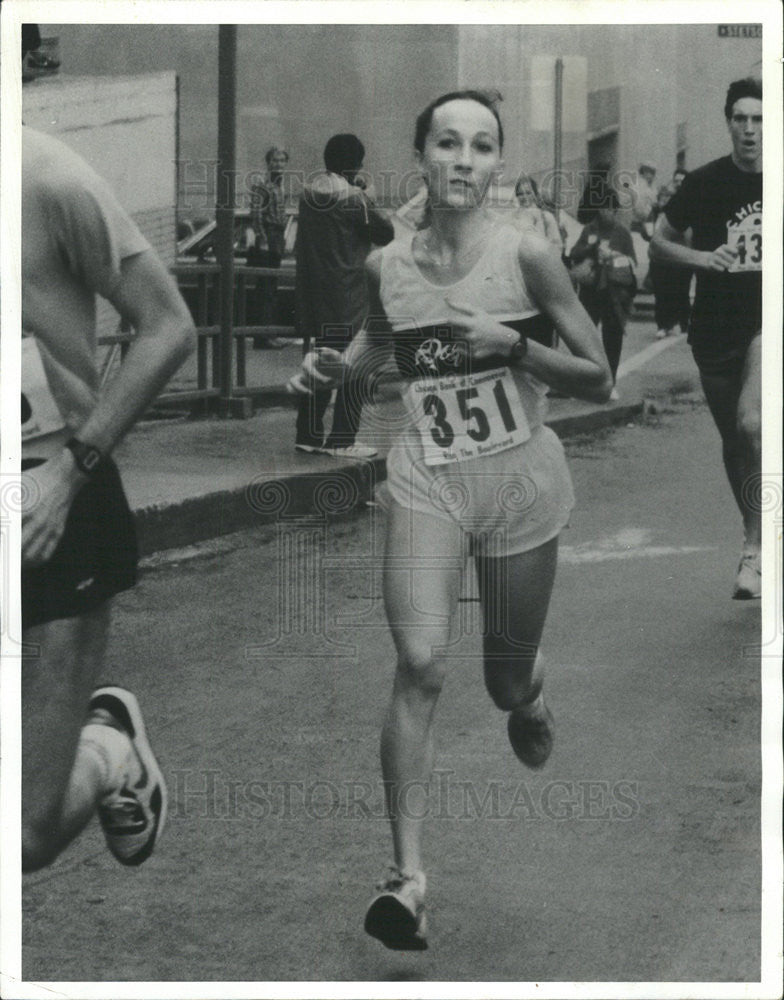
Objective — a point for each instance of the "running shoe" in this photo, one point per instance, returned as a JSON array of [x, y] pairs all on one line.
[[748, 582], [396, 916], [661, 334], [133, 816], [531, 734], [614, 397], [270, 343], [361, 451], [43, 63], [311, 449]]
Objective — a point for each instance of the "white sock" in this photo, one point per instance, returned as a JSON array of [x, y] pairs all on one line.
[[110, 751]]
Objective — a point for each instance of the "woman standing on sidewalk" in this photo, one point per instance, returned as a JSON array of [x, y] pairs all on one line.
[[604, 258], [532, 212], [475, 472]]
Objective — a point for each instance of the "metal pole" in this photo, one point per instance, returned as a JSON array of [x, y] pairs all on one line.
[[224, 207], [558, 136]]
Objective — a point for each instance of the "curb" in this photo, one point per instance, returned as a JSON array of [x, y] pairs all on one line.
[[317, 495]]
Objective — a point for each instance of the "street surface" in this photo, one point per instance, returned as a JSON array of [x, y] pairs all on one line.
[[264, 666]]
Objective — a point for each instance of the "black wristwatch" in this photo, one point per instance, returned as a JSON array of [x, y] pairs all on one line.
[[519, 350], [89, 459]]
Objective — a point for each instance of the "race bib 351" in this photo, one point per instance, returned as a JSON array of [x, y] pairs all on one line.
[[460, 417]]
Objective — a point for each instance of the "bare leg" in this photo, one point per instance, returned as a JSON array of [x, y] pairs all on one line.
[[735, 407], [749, 433], [421, 586], [722, 394], [58, 796], [515, 592]]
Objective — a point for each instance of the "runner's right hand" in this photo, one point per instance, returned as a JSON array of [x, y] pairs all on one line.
[[320, 369], [720, 259]]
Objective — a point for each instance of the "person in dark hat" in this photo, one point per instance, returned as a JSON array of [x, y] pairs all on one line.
[[604, 259]]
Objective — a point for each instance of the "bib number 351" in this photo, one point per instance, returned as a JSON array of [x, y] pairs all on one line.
[[468, 416]]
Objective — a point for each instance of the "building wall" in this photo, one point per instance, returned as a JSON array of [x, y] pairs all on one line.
[[298, 84], [125, 128], [705, 69]]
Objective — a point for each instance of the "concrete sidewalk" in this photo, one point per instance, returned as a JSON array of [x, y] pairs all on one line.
[[189, 480]]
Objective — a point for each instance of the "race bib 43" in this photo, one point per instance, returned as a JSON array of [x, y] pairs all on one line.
[[746, 239], [460, 417]]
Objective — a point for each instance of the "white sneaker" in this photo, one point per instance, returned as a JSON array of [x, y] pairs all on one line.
[[396, 916], [661, 334], [360, 451], [311, 449], [748, 582], [133, 816], [614, 397]]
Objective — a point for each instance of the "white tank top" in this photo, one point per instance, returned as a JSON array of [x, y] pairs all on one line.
[[417, 310]]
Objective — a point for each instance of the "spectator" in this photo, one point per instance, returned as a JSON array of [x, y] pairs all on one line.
[[268, 205], [268, 218], [644, 196], [603, 259], [670, 284], [597, 181], [532, 213], [338, 224]]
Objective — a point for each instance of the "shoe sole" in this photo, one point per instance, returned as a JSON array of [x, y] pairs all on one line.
[[394, 925], [309, 449], [745, 593], [123, 705], [545, 725]]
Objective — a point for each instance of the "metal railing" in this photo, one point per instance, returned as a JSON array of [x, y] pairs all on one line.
[[200, 283]]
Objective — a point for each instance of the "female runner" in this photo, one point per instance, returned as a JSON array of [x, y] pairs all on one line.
[[464, 304]]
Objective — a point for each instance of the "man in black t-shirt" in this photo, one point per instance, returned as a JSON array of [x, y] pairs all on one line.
[[713, 225]]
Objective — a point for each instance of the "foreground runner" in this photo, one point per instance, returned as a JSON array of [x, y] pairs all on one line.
[[721, 203], [78, 540], [476, 471]]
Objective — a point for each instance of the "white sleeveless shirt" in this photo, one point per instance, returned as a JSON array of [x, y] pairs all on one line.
[[494, 284]]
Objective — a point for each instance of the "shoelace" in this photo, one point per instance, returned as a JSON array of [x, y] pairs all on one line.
[[394, 881]]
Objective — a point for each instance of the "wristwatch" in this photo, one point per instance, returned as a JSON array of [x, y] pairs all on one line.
[[89, 459], [519, 350]]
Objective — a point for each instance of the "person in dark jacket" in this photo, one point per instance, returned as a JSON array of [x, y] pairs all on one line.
[[606, 259], [338, 225]]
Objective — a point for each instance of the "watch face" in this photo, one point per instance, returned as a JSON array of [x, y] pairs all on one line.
[[87, 458], [90, 459]]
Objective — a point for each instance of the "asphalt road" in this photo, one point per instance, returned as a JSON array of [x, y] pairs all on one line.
[[633, 856]]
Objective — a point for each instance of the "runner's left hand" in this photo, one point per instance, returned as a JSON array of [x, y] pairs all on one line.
[[483, 334], [48, 492]]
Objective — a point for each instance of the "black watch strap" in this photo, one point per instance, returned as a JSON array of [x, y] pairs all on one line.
[[519, 350], [88, 458]]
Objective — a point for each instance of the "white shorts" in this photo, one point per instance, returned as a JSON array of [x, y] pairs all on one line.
[[509, 502]]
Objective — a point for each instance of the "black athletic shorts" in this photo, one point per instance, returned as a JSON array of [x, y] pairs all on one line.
[[727, 363], [95, 559]]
